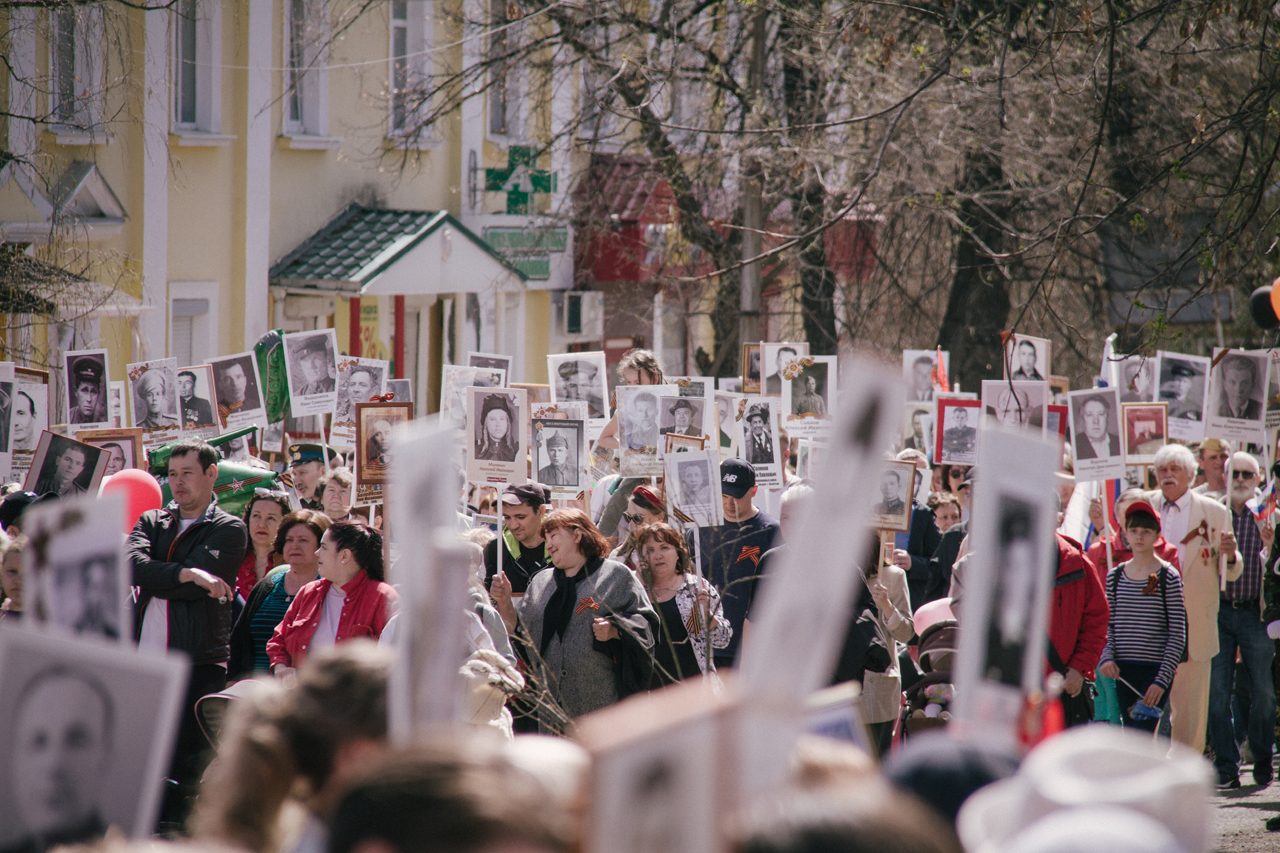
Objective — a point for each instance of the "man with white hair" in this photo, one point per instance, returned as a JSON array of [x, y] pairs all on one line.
[[1201, 530], [1240, 626]]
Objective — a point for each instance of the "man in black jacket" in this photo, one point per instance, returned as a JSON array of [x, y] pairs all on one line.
[[185, 558]]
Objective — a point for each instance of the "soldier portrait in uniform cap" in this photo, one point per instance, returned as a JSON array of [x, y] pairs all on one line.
[[1183, 383], [957, 431], [557, 444], [311, 366], [155, 394], [87, 387], [580, 377]]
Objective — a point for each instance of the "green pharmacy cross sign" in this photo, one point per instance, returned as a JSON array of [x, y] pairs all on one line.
[[520, 179]]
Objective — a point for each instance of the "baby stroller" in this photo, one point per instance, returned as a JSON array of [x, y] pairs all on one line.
[[929, 699]]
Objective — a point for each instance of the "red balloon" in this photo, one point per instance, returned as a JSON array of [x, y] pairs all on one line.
[[141, 493]]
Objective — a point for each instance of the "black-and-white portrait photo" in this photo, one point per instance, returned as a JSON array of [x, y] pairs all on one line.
[[88, 734], [195, 399], [497, 435], [809, 392], [919, 368], [153, 387], [557, 452], [6, 413], [1097, 442], [358, 380], [1184, 385], [122, 447], [402, 389], [693, 484], [1238, 395], [892, 510], [958, 431], [757, 435], [638, 417], [86, 372], [1015, 404], [726, 410], [776, 357], [580, 376], [236, 390], [1027, 358], [311, 362], [680, 416], [64, 467], [29, 416], [1095, 423], [1136, 375]]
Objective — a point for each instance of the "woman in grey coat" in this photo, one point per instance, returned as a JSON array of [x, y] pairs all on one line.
[[586, 627]]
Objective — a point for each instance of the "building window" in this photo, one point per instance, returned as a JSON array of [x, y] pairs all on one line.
[[75, 65], [193, 321], [306, 33], [411, 24], [503, 82], [184, 64]]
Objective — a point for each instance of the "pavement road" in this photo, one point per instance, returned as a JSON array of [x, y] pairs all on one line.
[[1240, 817]]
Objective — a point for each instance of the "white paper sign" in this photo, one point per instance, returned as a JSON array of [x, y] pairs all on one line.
[[1096, 448]]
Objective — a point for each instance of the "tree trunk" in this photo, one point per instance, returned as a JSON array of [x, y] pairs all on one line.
[[978, 305]]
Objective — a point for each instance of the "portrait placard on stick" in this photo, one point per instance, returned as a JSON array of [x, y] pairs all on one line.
[[153, 399], [808, 396], [196, 401], [580, 376], [1145, 431], [727, 434], [1096, 449], [692, 496], [117, 707], [29, 417], [87, 379], [496, 435], [679, 416], [1014, 404], [559, 454], [375, 423], [1026, 358], [775, 358], [123, 448], [1184, 385], [65, 467], [760, 446], [358, 380], [239, 397], [920, 373], [750, 369], [1237, 395], [957, 431], [1137, 377], [75, 575], [638, 429], [1007, 582], [311, 365], [892, 510]]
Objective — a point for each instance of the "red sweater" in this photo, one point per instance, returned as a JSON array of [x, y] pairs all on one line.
[[367, 607], [1120, 553], [1078, 615]]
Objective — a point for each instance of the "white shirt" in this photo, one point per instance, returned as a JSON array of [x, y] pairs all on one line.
[[155, 619], [327, 631], [1175, 518]]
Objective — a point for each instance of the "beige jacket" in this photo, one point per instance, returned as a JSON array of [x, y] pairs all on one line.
[[882, 691], [1200, 580]]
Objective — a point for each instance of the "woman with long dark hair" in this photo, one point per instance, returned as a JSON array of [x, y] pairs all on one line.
[[351, 599], [587, 627]]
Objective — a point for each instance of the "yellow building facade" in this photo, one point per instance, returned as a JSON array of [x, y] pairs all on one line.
[[181, 173]]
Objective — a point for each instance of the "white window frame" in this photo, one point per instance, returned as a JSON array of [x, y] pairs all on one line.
[[85, 110], [207, 66], [516, 85], [601, 129], [204, 329], [419, 31], [310, 78]]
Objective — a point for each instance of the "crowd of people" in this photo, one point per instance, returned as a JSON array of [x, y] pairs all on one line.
[[1165, 622]]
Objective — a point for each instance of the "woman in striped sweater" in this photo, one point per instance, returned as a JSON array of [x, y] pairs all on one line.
[[1147, 631]]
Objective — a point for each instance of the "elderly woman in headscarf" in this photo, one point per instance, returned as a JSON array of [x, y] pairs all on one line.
[[497, 439]]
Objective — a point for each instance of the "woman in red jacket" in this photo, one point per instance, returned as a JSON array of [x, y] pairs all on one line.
[[351, 599]]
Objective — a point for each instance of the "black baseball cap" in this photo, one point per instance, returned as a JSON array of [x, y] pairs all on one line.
[[736, 478], [533, 494]]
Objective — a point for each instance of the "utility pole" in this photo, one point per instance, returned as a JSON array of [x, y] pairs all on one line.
[[752, 203]]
